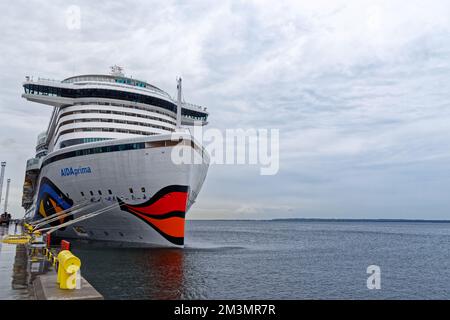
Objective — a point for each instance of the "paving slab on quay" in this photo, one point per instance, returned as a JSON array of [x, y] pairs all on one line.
[[46, 288]]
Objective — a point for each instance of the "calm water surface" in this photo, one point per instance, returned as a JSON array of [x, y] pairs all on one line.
[[279, 260], [263, 260]]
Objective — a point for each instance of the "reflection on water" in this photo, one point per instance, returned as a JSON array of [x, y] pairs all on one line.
[[132, 273], [166, 279], [20, 276]]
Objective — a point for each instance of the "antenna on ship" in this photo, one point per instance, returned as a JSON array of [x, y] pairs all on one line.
[[179, 102], [2, 177], [116, 70]]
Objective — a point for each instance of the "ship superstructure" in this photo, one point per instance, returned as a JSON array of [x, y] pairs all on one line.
[[109, 141]]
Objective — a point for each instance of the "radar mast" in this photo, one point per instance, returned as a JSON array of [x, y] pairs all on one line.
[[116, 70]]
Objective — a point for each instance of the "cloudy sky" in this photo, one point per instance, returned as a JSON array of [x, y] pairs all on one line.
[[358, 89]]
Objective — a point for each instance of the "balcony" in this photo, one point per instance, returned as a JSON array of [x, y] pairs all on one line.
[[193, 107], [42, 138], [33, 164]]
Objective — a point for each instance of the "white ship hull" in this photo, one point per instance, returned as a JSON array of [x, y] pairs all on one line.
[[149, 194]]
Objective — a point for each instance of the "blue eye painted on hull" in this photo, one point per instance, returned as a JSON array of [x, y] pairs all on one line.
[[52, 200]]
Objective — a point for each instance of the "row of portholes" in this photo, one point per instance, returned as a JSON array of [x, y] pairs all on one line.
[[106, 233], [80, 230], [131, 190]]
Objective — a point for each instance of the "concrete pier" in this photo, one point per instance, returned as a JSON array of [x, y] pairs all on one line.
[[14, 273], [46, 288], [32, 276]]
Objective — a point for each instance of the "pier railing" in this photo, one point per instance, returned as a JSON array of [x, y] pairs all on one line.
[[193, 106]]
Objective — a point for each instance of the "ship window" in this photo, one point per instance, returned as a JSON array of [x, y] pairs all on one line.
[[105, 93], [100, 192], [106, 233], [84, 152], [109, 191], [143, 189], [121, 234], [72, 142], [92, 193], [131, 190]]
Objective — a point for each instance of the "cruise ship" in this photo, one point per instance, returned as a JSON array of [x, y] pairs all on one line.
[[104, 170]]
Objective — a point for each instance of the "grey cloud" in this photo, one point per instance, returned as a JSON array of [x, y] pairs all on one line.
[[358, 91]]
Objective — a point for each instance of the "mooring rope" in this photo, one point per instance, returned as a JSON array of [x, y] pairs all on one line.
[[49, 230], [64, 215], [58, 213]]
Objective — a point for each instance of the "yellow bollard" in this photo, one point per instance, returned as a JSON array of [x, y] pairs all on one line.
[[68, 267], [28, 227]]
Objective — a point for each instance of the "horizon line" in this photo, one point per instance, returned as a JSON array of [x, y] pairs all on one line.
[[332, 220]]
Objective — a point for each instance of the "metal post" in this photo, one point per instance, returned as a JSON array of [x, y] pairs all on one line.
[[8, 182], [2, 176], [179, 103]]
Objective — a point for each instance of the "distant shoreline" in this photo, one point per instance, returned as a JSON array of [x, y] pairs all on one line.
[[329, 220], [360, 220]]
